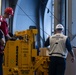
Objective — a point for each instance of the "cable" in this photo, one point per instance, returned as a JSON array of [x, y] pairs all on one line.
[[35, 22], [57, 19], [30, 18], [26, 14], [50, 11]]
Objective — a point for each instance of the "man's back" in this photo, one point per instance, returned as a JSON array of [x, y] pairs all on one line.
[[57, 45]]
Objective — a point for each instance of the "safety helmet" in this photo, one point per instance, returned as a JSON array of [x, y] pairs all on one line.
[[60, 26], [9, 10]]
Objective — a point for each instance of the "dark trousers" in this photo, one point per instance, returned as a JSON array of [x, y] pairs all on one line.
[[57, 65], [1, 61]]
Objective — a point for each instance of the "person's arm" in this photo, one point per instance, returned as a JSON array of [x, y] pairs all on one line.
[[69, 48], [8, 36], [47, 42], [2, 39]]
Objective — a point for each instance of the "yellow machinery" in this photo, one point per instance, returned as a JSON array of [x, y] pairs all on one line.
[[20, 56]]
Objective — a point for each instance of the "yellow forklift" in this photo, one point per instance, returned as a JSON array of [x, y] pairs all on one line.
[[20, 56]]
